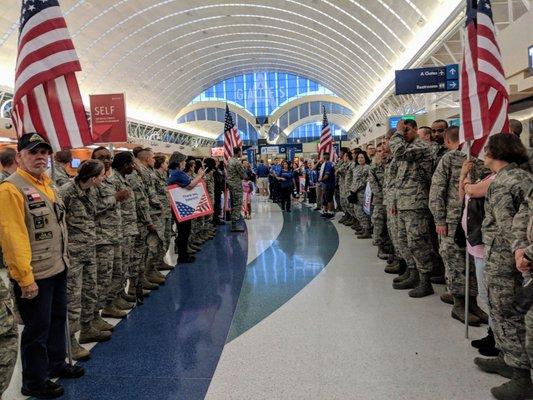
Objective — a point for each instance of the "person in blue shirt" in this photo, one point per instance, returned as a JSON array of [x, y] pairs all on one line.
[[286, 180], [178, 176], [327, 181], [262, 178], [275, 171]]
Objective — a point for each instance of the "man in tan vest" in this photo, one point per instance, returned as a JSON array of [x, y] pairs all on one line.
[[33, 236]]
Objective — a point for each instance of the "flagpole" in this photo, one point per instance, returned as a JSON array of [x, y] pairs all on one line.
[[467, 264], [67, 327]]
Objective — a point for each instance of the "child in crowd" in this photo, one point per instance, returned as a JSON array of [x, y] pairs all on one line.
[[247, 189]]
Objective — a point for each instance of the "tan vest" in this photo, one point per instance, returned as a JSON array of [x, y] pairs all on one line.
[[47, 229]]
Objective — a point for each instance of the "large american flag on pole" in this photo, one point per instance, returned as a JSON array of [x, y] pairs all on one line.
[[484, 90], [326, 139], [231, 136], [47, 98]]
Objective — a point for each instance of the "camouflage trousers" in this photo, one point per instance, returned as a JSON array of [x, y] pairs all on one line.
[[109, 262], [8, 343], [414, 239], [508, 324], [345, 204], [360, 215], [529, 334], [392, 228], [381, 234], [82, 286], [138, 256], [165, 243], [455, 264], [127, 252], [235, 190]]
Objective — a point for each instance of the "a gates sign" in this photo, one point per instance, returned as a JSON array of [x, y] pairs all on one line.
[[108, 118]]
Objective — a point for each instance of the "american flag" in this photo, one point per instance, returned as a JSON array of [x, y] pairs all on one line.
[[231, 136], [186, 211], [326, 139], [484, 91], [47, 98]]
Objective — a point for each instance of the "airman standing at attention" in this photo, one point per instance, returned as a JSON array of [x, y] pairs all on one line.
[[8, 338], [413, 179], [447, 207], [122, 167], [235, 176], [82, 288], [161, 173], [108, 245]]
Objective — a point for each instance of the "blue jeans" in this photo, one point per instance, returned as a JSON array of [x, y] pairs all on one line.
[[481, 283]]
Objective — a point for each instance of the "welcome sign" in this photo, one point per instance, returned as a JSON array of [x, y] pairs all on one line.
[[190, 204]]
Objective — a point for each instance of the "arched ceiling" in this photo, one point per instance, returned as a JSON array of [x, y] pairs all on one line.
[[164, 53]]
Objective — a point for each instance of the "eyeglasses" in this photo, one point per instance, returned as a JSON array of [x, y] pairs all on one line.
[[437, 130]]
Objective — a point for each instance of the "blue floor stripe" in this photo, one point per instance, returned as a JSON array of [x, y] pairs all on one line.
[[169, 347], [304, 247]]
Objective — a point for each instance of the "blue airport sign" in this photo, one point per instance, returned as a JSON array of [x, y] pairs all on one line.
[[427, 80]]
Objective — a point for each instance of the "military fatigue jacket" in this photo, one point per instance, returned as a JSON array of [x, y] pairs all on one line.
[[141, 200], [3, 176], [340, 169], [415, 167], [162, 193], [437, 151], [210, 184], [523, 227], [376, 177], [504, 197], [444, 201], [128, 210], [360, 177], [108, 220], [389, 184], [60, 175], [80, 215], [235, 172], [149, 180]]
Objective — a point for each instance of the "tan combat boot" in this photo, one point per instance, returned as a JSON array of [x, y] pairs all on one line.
[[90, 334], [110, 311], [101, 324], [79, 353]]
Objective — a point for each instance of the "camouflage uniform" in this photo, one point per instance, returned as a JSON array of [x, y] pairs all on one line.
[[210, 184], [504, 196], [166, 212], [413, 180], [345, 173], [523, 235], [108, 243], [60, 175], [376, 177], [389, 201], [129, 229], [358, 186], [8, 338], [235, 176], [447, 210], [140, 249], [82, 289], [4, 175], [437, 151], [156, 239]]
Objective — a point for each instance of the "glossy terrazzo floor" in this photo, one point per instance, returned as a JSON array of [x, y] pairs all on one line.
[[295, 308]]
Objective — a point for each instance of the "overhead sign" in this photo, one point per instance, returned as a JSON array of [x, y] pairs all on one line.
[[190, 204], [393, 121], [427, 80], [108, 118], [280, 148]]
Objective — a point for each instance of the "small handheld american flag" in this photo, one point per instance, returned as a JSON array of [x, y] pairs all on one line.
[[47, 98]]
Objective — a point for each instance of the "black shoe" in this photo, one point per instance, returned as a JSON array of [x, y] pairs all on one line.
[[438, 280], [487, 341], [48, 390], [186, 260], [489, 351], [69, 372], [328, 216]]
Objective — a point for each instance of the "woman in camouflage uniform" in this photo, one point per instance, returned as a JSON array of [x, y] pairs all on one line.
[[360, 177]]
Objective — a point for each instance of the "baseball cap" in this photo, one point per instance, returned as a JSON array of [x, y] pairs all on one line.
[[30, 141]]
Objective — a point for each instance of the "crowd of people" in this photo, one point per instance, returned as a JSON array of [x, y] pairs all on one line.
[[82, 248], [426, 205]]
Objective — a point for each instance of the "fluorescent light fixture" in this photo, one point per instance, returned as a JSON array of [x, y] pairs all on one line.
[[7, 140]]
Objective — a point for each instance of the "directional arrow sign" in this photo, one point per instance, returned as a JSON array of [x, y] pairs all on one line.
[[427, 80]]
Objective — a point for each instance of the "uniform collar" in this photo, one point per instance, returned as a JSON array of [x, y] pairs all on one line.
[[44, 179]]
